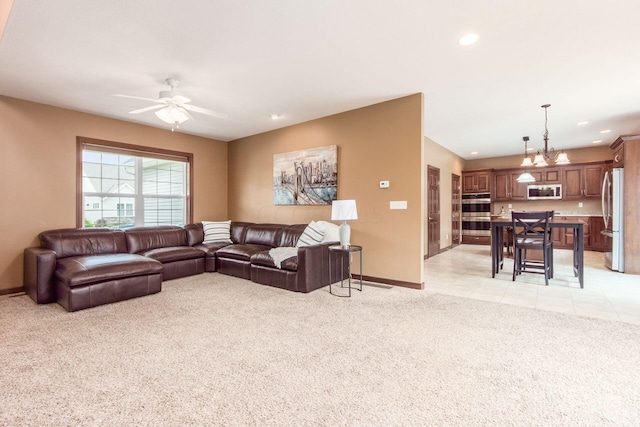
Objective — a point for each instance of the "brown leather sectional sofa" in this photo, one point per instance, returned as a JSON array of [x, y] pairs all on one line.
[[82, 268]]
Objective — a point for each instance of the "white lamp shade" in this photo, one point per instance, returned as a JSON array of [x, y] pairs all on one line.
[[343, 210], [172, 115], [526, 162], [526, 177], [562, 159], [539, 160]]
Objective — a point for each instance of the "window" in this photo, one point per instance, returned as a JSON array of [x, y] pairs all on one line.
[[123, 186]]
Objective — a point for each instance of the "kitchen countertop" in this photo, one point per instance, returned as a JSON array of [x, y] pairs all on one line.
[[557, 214]]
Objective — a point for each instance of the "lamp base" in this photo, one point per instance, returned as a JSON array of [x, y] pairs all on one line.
[[345, 234]]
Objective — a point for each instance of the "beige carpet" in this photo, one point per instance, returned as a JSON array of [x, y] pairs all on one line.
[[215, 350]]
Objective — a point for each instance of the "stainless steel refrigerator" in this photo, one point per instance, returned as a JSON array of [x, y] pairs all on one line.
[[612, 212]]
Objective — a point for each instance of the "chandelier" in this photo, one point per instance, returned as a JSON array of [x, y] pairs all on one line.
[[548, 154], [526, 176]]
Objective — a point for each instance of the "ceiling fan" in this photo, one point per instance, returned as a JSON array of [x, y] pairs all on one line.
[[172, 107]]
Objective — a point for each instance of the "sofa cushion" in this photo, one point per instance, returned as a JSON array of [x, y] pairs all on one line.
[[71, 242], [217, 231], [195, 234], [290, 264], [239, 231], [312, 235], [84, 270], [173, 253], [146, 238], [210, 249], [241, 252], [291, 234], [262, 258], [264, 234]]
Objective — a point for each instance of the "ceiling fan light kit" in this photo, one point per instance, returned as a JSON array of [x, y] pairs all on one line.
[[172, 107]]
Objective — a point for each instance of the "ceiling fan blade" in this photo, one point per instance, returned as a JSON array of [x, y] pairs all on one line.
[[143, 110], [204, 111], [138, 97], [186, 113]]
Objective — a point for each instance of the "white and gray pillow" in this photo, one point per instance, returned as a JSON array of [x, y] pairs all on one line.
[[312, 235], [217, 231]]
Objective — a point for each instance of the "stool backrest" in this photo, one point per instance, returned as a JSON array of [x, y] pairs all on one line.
[[532, 224]]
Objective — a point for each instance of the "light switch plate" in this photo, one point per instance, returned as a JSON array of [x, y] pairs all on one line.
[[384, 184], [398, 204]]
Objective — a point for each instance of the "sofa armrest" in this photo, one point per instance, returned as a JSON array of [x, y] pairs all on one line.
[[313, 266], [39, 274]]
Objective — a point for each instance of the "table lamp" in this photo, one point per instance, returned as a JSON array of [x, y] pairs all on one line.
[[343, 210]]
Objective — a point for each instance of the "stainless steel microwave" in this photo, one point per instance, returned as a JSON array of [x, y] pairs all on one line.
[[544, 192]]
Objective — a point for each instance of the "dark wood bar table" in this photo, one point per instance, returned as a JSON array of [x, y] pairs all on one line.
[[497, 244]]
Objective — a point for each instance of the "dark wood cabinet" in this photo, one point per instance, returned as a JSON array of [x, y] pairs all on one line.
[[599, 242], [547, 175], [506, 186], [583, 181], [476, 240], [476, 181], [563, 237], [618, 156]]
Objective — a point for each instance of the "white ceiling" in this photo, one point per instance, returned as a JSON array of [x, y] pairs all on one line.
[[308, 59]]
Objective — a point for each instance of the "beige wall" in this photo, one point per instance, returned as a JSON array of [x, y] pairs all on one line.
[[38, 173], [449, 163], [379, 142]]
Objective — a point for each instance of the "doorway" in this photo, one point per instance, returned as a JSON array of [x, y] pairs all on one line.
[[433, 210], [456, 209]]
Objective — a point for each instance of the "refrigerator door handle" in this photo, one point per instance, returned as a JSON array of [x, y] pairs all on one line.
[[606, 200]]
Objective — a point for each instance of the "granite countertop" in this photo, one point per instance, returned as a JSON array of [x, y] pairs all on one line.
[[507, 216]]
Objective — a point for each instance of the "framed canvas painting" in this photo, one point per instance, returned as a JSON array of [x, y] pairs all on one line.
[[306, 177]]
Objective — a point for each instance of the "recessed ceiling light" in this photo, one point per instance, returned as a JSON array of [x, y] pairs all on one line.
[[583, 123], [597, 141], [605, 131], [474, 152], [275, 116], [468, 39]]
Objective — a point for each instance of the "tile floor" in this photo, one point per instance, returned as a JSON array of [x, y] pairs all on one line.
[[465, 271]]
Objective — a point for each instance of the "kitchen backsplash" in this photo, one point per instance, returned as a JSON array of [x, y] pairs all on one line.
[[591, 207]]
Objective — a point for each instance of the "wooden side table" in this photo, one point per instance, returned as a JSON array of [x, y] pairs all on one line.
[[345, 250]]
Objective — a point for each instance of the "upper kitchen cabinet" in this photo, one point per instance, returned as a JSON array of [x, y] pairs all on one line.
[[476, 181], [506, 186], [546, 175], [583, 181]]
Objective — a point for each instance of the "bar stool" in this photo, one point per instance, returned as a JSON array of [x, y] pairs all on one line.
[[531, 231]]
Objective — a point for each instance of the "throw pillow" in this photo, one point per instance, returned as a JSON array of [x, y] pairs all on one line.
[[331, 231], [312, 235], [217, 231]]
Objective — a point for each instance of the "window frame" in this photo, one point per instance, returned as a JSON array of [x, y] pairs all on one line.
[[135, 150]]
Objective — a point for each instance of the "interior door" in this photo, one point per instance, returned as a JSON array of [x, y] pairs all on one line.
[[433, 210], [456, 209]]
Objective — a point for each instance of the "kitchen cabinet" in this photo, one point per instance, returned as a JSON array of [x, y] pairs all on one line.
[[583, 181], [506, 186], [478, 181], [476, 240], [547, 175], [563, 237], [618, 156], [599, 242]]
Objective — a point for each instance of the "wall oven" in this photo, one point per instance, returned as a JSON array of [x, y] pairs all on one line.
[[476, 214]]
